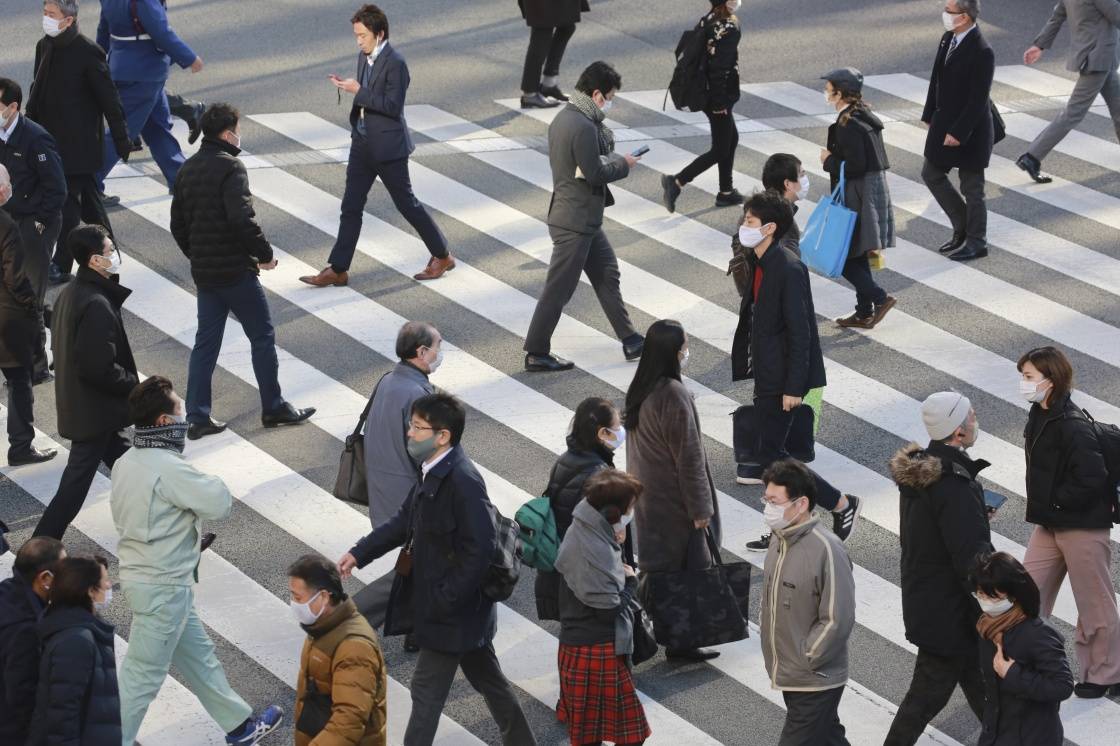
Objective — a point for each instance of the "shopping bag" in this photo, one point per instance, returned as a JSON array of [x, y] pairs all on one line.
[[799, 442], [828, 234]]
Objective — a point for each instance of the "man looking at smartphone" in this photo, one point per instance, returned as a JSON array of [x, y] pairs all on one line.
[[581, 153], [943, 526]]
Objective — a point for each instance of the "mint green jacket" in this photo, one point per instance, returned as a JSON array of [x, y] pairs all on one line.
[[158, 502]]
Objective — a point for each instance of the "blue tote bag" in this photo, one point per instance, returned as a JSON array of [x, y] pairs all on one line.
[[828, 234]]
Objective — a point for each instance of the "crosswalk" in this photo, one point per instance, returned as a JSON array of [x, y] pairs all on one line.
[[955, 327]]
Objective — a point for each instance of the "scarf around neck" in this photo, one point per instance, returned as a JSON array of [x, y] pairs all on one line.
[[993, 627], [172, 437], [589, 109]]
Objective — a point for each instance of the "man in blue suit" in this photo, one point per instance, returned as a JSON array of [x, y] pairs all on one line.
[[142, 47], [379, 147]]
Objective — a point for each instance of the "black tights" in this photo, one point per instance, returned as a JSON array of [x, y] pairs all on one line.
[[725, 138]]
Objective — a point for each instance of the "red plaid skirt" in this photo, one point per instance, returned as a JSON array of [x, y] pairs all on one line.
[[597, 696]]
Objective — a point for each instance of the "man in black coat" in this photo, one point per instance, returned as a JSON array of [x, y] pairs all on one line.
[[73, 96], [959, 116], [943, 526], [23, 599], [447, 529], [213, 222], [38, 193], [94, 370], [19, 316], [776, 343]]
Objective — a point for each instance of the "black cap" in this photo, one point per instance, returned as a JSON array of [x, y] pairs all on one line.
[[846, 79]]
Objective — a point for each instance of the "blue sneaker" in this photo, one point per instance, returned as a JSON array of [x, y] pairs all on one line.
[[257, 728]]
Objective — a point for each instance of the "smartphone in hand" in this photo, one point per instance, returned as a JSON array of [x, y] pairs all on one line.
[[993, 500], [640, 152]]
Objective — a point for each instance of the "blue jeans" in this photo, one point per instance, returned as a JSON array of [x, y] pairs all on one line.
[[147, 115], [247, 302]]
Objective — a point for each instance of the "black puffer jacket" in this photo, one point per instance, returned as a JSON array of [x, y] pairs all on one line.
[[858, 144], [18, 329], [565, 488], [1067, 480], [212, 217], [943, 526], [722, 37], [1021, 709], [77, 702], [20, 612]]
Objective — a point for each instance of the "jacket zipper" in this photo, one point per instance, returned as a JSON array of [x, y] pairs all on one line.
[[774, 585]]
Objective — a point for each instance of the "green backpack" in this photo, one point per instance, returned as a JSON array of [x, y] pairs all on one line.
[[540, 541]]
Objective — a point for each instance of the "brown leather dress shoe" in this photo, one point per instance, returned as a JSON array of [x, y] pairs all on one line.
[[436, 267], [855, 321], [327, 278]]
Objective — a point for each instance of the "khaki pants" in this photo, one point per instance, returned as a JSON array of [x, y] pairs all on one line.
[[1086, 555]]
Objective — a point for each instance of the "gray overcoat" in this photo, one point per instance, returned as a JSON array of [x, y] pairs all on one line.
[[390, 471]]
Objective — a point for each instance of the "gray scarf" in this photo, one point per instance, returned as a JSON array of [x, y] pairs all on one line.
[[172, 437], [590, 110]]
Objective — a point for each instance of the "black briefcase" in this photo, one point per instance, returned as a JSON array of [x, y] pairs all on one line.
[[799, 443]]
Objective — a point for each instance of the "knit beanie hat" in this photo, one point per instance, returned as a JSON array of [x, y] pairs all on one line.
[[944, 412]]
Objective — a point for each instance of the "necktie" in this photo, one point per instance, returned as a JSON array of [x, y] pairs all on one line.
[[952, 47]]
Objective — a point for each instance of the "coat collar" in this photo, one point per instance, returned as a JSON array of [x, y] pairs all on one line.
[[66, 38], [378, 64], [441, 470], [965, 44], [794, 534], [328, 622], [956, 461], [409, 370], [110, 286], [218, 144]]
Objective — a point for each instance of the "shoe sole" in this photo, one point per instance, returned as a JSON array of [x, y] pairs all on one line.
[[541, 369], [260, 736], [286, 424], [28, 463], [757, 549], [748, 480], [421, 278], [855, 521], [878, 317]]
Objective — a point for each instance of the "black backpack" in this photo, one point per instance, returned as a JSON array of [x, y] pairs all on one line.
[[689, 85], [505, 564], [1109, 438]]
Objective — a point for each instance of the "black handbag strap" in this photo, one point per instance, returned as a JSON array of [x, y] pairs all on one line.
[[365, 412], [713, 547]]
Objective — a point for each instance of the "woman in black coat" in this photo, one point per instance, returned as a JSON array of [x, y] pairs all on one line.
[[1070, 501], [721, 36], [596, 433], [77, 702], [1023, 659], [552, 22]]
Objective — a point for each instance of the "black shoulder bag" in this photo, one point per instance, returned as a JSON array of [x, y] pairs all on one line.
[[350, 484]]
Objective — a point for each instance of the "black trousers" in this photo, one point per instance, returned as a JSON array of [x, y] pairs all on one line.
[[857, 270], [21, 411], [811, 719], [36, 256], [773, 431], [431, 682], [361, 172], [725, 138], [935, 678], [967, 209], [83, 205], [546, 47], [85, 455]]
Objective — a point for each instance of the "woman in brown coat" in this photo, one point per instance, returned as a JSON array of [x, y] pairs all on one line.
[[340, 694], [665, 452]]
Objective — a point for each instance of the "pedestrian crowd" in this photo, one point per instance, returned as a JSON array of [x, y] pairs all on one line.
[[622, 553]]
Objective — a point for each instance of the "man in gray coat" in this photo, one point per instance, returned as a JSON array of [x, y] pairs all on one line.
[[581, 153], [1094, 55]]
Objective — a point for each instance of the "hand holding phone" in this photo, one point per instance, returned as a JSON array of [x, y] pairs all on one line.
[[993, 500], [640, 152]]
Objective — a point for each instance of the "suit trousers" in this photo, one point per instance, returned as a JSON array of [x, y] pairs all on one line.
[[812, 720], [36, 257], [431, 682], [21, 411], [935, 678], [83, 205], [246, 300], [147, 113], [1085, 91], [546, 47], [967, 209], [166, 631], [361, 172], [573, 254], [85, 456], [1086, 555], [773, 431]]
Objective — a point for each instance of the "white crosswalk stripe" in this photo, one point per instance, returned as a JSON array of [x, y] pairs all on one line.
[[244, 610]]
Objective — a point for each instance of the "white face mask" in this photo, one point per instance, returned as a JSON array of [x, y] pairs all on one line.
[[803, 192], [303, 613], [607, 104], [733, 5], [750, 237], [102, 605], [51, 27], [623, 522], [434, 365], [1034, 392], [8, 117], [993, 608], [177, 419], [619, 437], [684, 358], [114, 267], [949, 20], [774, 516]]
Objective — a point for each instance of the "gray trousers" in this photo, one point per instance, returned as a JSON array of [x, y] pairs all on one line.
[[37, 248], [967, 209], [1107, 84], [811, 719], [431, 682], [573, 254]]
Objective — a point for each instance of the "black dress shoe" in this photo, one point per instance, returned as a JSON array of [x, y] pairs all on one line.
[[33, 456], [968, 253], [633, 349], [952, 244], [1085, 690], [109, 200], [693, 654], [538, 101], [198, 430], [547, 363], [286, 415], [730, 199], [194, 122], [670, 190], [553, 91], [1033, 167], [43, 376], [56, 276], [410, 645]]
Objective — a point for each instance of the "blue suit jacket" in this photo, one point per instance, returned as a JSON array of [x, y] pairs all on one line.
[[382, 99], [144, 59], [38, 182]]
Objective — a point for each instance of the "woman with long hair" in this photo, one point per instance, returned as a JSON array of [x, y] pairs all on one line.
[[665, 452]]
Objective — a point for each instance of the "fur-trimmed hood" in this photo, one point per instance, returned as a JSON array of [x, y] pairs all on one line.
[[920, 468]]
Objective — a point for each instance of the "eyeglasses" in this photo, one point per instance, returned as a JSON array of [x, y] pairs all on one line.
[[414, 426]]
